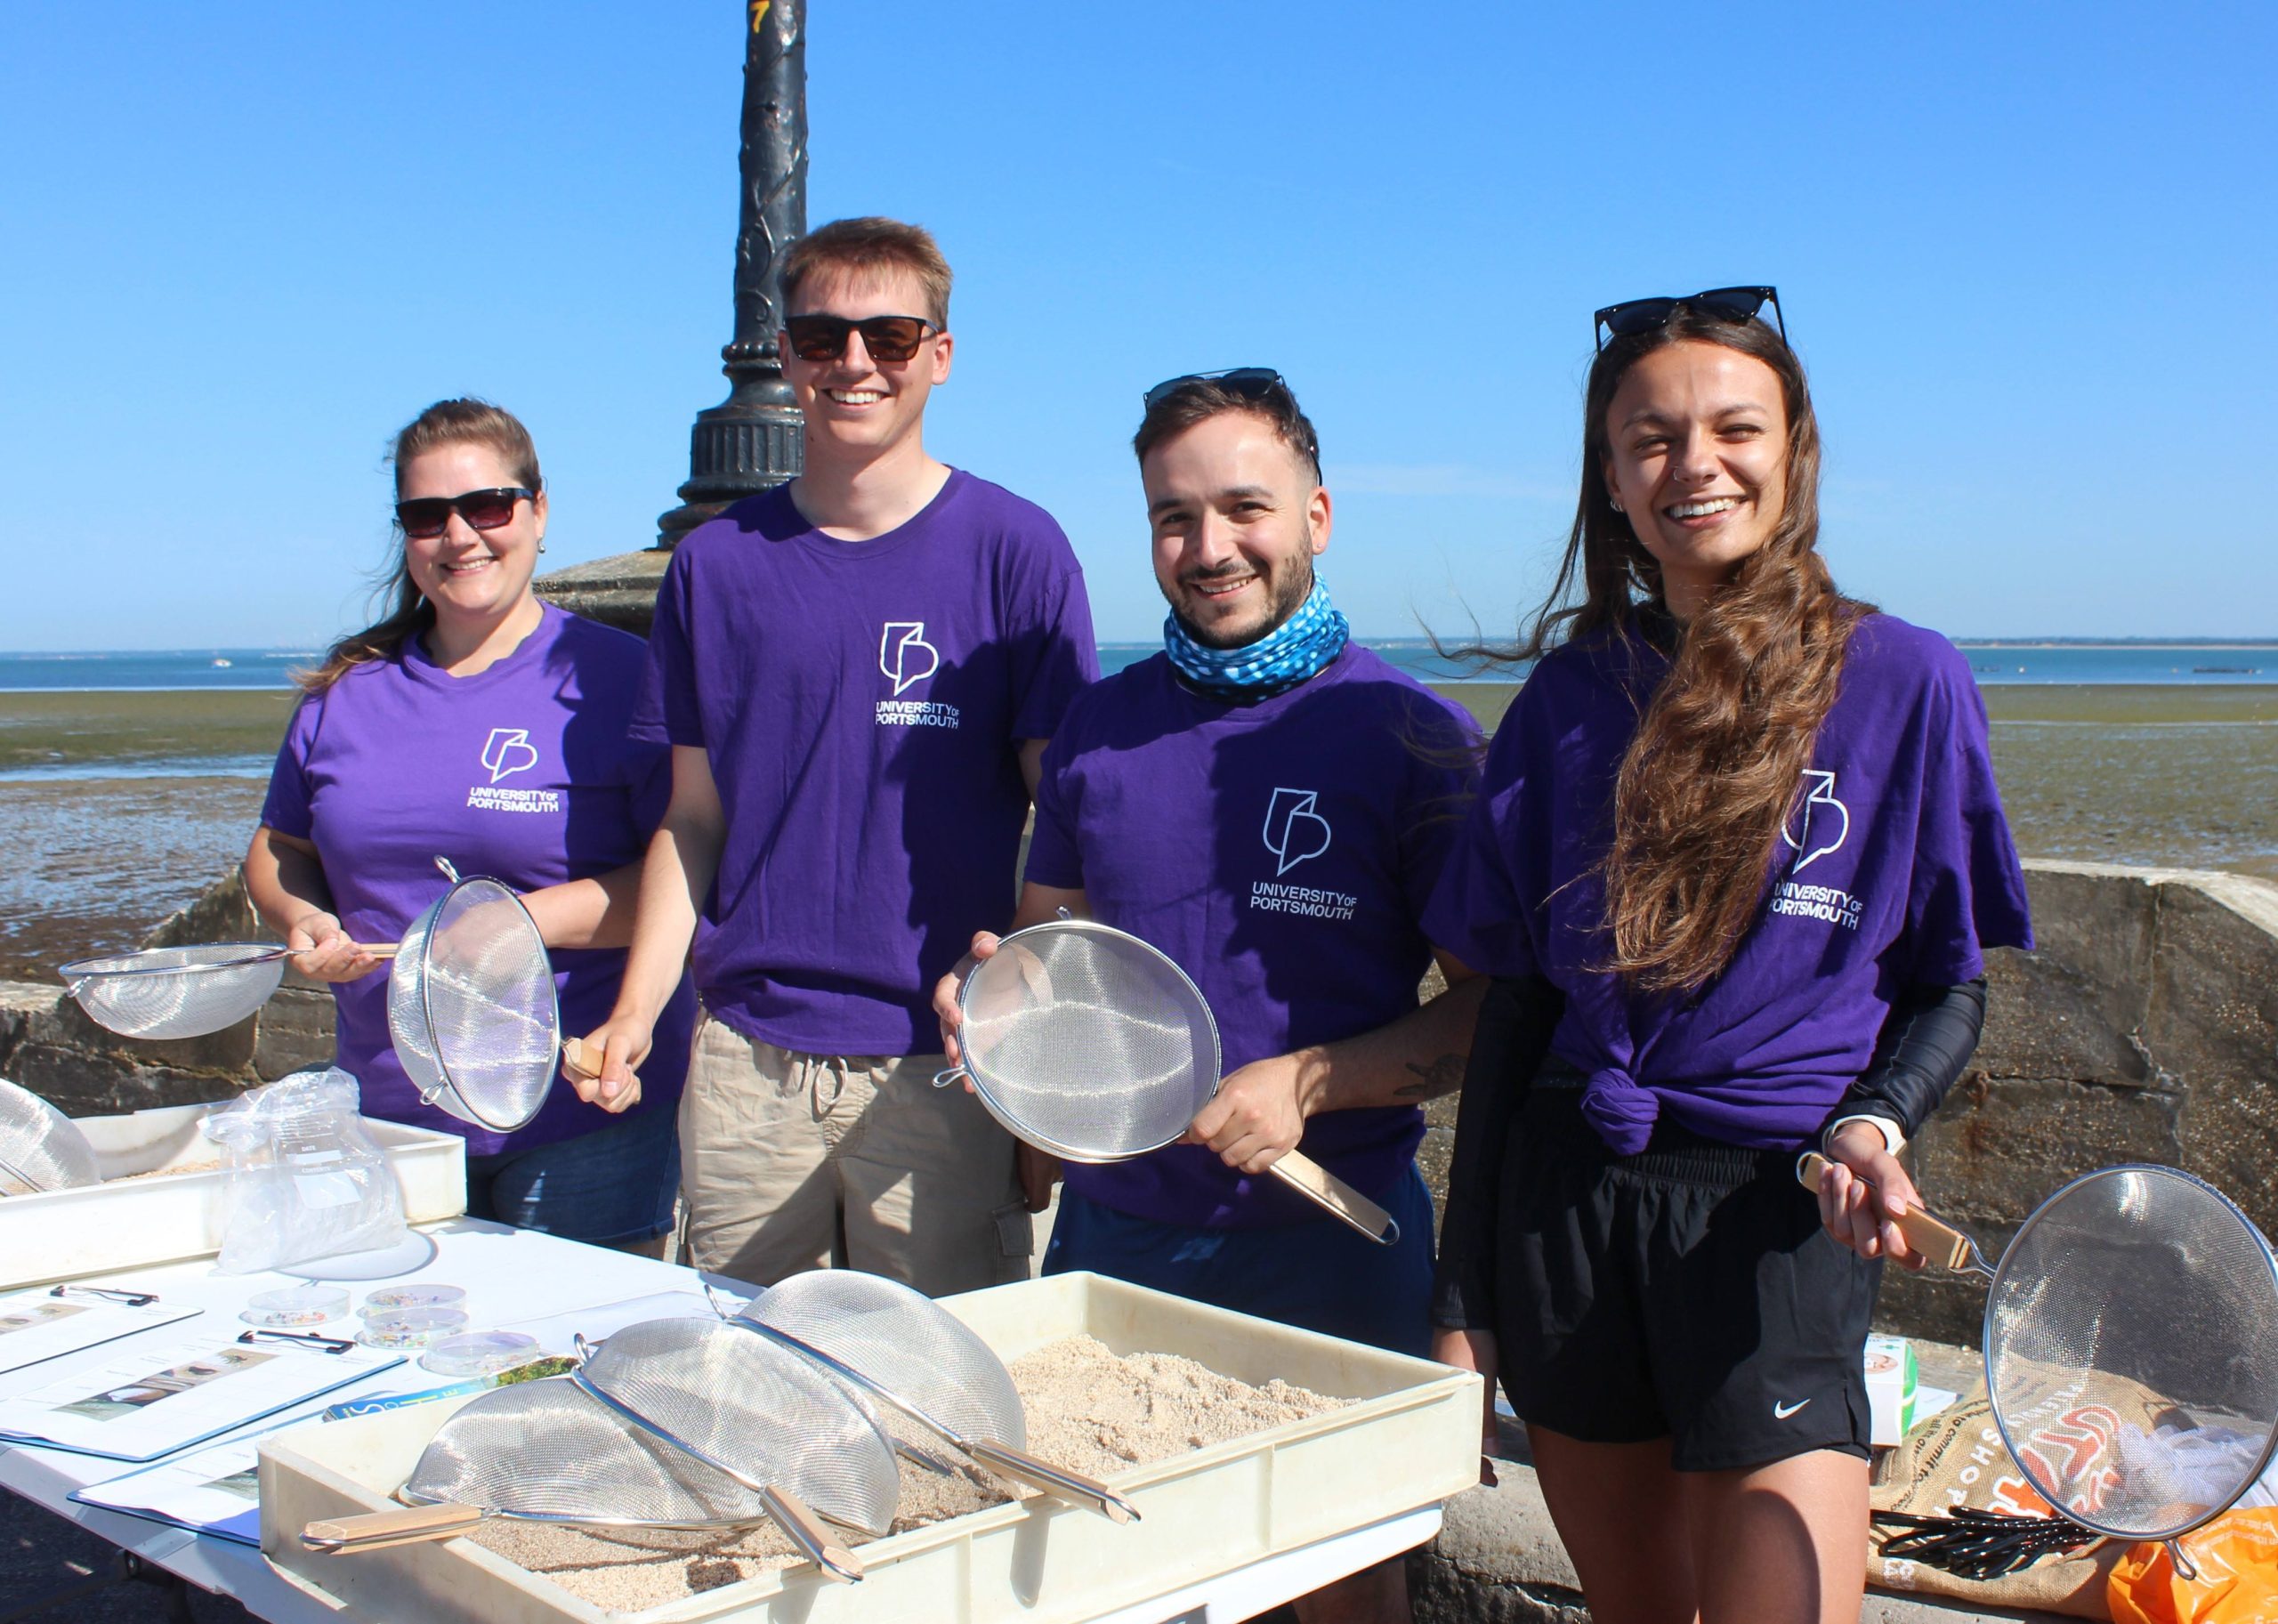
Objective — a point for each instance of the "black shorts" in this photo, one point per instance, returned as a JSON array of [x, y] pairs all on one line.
[[1687, 1292]]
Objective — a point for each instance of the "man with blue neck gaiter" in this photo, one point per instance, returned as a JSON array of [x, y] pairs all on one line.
[[1269, 804]]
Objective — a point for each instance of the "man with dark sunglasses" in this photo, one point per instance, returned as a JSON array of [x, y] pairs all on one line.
[[1268, 803], [858, 673]]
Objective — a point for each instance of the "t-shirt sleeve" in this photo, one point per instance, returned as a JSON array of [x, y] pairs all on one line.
[[1054, 859], [1053, 656], [1445, 749], [668, 712], [1967, 891], [1477, 910], [289, 806]]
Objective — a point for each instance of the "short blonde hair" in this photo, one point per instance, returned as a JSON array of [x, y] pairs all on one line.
[[869, 246]]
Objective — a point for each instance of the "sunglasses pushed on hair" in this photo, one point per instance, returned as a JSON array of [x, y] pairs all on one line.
[[886, 338], [1632, 317], [423, 518], [1260, 384]]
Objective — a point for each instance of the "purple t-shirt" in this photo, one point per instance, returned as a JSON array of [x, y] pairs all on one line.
[[523, 772], [1282, 854], [863, 704], [1896, 870]]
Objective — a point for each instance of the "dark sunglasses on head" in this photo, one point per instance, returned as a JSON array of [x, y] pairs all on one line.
[[423, 518], [887, 338], [1635, 315], [1250, 382]]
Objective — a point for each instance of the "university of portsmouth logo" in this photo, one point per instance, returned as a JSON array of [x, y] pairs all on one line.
[[1820, 824], [1296, 832], [905, 656], [508, 751]]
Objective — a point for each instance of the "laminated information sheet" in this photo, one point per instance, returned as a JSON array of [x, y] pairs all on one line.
[[161, 1398], [213, 1490], [46, 1324]]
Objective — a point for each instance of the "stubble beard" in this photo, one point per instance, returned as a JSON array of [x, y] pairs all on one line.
[[1290, 591]]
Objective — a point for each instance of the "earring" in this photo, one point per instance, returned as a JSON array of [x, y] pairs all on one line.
[[1616, 505]]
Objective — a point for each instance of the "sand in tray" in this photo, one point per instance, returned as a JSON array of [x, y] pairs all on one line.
[[1089, 1409]]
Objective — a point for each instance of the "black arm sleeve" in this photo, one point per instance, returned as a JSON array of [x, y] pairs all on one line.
[[1925, 1042], [1515, 1021]]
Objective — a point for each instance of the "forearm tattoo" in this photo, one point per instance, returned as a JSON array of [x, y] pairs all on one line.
[[1440, 1077]]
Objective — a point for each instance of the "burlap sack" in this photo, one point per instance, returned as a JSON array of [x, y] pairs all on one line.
[[1957, 1458]]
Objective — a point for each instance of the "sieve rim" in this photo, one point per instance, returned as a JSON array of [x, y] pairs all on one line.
[[431, 919], [1011, 1121], [1985, 1343], [106, 965]]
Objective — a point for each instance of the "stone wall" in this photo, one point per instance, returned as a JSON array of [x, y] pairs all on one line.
[[2144, 1029]]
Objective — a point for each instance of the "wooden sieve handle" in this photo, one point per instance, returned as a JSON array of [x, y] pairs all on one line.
[[1936, 1239], [378, 949], [1057, 1481], [805, 1529], [575, 1055], [376, 1531], [1334, 1196]]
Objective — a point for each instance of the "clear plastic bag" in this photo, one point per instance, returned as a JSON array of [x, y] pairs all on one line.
[[301, 1178]]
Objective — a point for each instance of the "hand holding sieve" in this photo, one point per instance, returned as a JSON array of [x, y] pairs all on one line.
[[2131, 1280], [184, 992], [898, 1347], [41, 1149], [1090, 1044]]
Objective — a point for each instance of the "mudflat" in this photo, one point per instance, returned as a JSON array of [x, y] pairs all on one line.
[[118, 807]]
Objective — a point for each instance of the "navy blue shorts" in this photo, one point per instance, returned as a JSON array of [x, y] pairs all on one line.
[[614, 1185], [1317, 1276]]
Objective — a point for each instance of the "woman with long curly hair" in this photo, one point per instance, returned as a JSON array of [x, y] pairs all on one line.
[[1733, 865]]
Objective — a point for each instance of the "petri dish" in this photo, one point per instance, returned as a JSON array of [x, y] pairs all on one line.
[[413, 1328], [482, 1353], [401, 1299], [295, 1305]]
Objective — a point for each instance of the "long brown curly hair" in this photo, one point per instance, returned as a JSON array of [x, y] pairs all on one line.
[[1711, 774]]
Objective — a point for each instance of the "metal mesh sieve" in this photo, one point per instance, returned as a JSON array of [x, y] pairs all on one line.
[[738, 1402], [911, 1359], [1090, 1044], [471, 1006], [40, 1148], [550, 1451], [1087, 1042], [906, 1345], [2137, 1278], [176, 992]]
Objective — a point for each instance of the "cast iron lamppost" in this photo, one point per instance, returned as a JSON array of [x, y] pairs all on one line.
[[751, 441]]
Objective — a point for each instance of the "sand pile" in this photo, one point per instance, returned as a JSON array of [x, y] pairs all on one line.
[[1089, 1409]]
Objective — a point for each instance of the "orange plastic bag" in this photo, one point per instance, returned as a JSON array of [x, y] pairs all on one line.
[[2237, 1558]]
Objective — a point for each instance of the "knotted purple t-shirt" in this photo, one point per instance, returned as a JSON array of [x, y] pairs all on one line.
[[863, 704], [1282, 854], [1895, 869], [522, 771]]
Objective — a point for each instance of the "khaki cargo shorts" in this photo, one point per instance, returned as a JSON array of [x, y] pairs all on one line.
[[792, 1161]]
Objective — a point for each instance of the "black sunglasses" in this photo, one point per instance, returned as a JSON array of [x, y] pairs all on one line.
[[1250, 382], [887, 338], [1635, 315], [423, 518]]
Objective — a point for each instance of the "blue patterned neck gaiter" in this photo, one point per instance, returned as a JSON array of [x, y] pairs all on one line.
[[1297, 648]]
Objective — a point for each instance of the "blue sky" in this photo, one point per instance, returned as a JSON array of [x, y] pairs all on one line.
[[2026, 250]]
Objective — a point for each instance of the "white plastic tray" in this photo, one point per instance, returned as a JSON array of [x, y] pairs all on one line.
[[1410, 1440], [126, 1223]]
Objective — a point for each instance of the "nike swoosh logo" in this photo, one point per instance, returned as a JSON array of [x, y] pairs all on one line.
[[1780, 1412]]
